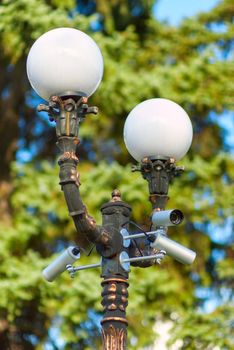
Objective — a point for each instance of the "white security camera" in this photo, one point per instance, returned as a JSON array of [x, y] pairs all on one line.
[[68, 257], [167, 217], [174, 249]]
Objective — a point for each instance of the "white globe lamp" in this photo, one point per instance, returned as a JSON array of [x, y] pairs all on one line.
[[158, 128], [64, 61]]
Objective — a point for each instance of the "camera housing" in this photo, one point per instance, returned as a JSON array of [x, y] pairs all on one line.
[[166, 218], [173, 249], [68, 257]]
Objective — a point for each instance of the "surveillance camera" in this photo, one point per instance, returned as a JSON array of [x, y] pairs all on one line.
[[167, 217], [68, 257], [174, 249]]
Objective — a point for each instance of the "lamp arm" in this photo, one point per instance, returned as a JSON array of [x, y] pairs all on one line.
[[68, 112], [87, 229]]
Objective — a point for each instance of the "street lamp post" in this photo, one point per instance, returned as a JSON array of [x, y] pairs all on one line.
[[65, 67]]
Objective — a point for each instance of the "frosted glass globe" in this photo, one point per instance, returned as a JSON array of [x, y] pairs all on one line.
[[158, 127], [64, 60]]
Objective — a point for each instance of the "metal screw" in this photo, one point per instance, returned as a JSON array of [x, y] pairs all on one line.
[[71, 271], [159, 260]]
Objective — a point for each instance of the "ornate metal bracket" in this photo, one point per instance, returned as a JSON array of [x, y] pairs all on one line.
[[67, 113], [159, 173]]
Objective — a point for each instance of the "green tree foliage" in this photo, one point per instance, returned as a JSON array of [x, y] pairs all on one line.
[[191, 64]]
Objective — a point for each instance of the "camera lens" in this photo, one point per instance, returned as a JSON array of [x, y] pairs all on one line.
[[176, 217], [75, 251]]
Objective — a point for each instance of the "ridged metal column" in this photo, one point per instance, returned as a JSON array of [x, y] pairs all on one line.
[[114, 322], [115, 215]]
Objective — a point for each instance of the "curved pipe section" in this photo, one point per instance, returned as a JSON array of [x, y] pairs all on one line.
[[87, 229]]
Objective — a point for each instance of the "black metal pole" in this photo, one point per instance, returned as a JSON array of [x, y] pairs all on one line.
[[115, 216]]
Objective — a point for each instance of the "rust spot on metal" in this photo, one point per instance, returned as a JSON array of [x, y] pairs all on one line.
[[124, 299], [112, 288], [54, 98], [145, 160], [111, 297], [124, 290], [84, 99], [75, 177], [57, 100], [68, 155], [76, 141], [112, 307], [122, 307], [105, 237], [91, 220]]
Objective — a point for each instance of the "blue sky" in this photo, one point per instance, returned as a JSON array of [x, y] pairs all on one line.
[[175, 10]]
